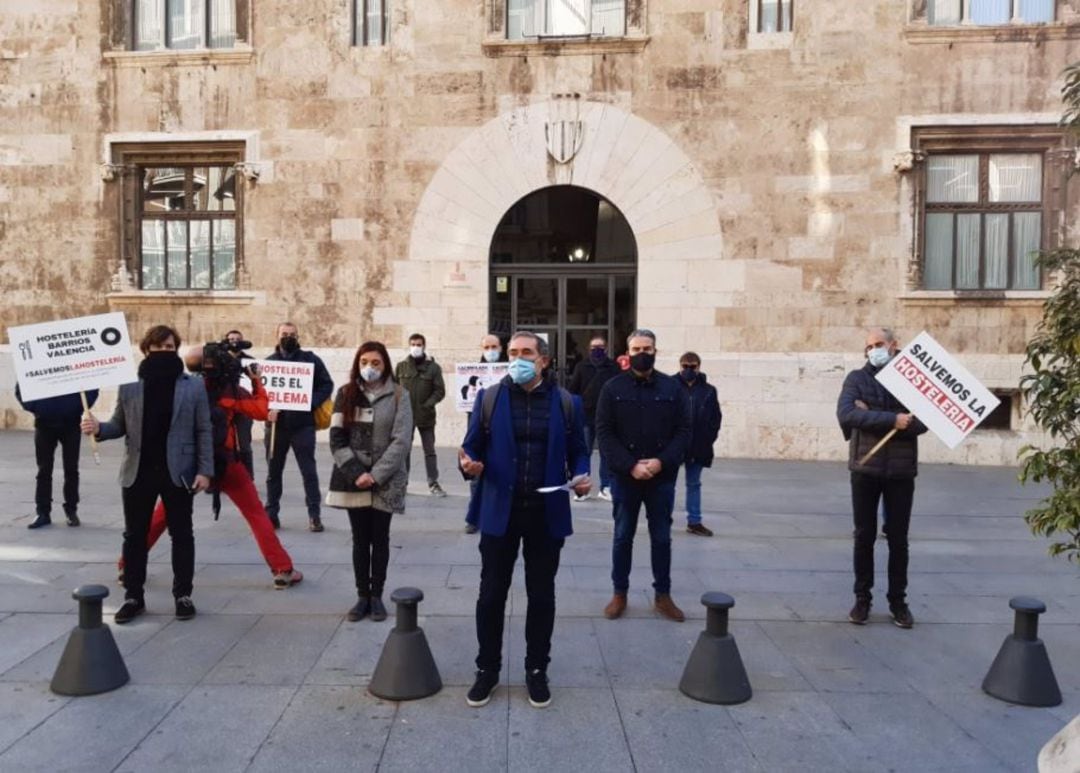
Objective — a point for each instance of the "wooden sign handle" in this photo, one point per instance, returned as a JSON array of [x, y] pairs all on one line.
[[93, 440], [880, 444]]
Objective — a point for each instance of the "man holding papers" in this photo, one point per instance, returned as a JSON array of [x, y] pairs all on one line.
[[526, 436]]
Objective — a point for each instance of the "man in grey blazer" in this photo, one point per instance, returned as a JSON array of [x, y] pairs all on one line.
[[164, 419]]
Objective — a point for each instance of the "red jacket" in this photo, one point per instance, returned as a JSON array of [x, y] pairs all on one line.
[[253, 405]]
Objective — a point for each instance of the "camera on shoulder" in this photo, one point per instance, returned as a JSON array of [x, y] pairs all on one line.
[[218, 364]]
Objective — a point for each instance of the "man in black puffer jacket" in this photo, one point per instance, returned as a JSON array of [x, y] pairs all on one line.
[[867, 412]]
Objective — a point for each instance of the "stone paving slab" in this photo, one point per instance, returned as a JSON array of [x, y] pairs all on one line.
[[275, 680]]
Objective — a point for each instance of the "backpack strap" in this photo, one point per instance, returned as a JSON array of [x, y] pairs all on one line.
[[491, 394]]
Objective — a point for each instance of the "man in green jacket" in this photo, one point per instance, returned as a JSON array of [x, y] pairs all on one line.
[[422, 377]]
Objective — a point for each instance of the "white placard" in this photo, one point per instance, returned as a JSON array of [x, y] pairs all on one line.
[[939, 390], [72, 355], [288, 384], [471, 377]]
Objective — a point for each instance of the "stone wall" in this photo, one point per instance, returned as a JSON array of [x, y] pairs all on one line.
[[757, 173]]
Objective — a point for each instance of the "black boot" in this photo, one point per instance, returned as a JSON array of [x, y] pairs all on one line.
[[42, 519], [360, 611], [72, 518], [378, 611]]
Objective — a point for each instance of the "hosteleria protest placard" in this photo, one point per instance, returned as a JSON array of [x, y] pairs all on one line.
[[72, 355], [938, 389], [288, 384]]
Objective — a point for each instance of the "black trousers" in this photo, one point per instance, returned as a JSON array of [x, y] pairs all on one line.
[[46, 437], [898, 493], [139, 499], [371, 549], [527, 527]]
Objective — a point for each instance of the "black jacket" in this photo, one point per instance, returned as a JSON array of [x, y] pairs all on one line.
[[322, 388], [588, 379], [864, 427], [643, 419], [60, 411], [705, 409]]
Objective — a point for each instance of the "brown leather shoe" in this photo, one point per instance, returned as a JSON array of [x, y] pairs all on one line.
[[666, 607], [615, 607]]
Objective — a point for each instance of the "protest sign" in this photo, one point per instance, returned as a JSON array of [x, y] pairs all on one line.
[[471, 377], [72, 355], [288, 384], [939, 390]]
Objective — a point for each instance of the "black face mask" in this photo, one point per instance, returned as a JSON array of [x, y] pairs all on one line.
[[643, 362], [688, 374], [164, 364], [598, 353], [289, 344]]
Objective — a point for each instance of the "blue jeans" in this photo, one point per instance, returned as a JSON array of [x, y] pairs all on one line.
[[693, 493], [302, 442], [590, 443], [628, 496]]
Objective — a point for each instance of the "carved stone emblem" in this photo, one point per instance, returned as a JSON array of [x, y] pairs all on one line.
[[564, 131]]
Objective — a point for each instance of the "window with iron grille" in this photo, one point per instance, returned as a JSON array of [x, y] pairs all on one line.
[[183, 24], [370, 23], [985, 206], [774, 15], [182, 214], [565, 18], [990, 12]]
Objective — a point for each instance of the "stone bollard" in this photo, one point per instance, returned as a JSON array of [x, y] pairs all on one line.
[[406, 668], [1021, 672], [715, 673], [91, 662]]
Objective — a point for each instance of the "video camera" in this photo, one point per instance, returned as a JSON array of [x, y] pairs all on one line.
[[235, 346], [219, 365]]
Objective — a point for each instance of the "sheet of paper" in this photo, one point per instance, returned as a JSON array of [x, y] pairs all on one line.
[[568, 486]]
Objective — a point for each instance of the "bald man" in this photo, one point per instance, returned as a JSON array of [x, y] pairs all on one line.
[[867, 412]]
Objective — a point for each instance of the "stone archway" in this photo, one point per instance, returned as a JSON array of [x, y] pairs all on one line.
[[624, 158]]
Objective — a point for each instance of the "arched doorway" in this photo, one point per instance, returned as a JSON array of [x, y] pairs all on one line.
[[563, 262]]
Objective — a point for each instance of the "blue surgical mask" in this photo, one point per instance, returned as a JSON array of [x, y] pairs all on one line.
[[879, 356], [522, 371], [491, 355]]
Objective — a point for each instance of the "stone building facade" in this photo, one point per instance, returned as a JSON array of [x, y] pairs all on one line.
[[772, 177]]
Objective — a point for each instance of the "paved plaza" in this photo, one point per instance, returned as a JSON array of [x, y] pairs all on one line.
[[266, 680]]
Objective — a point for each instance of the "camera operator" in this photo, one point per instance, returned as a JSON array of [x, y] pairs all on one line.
[[237, 345], [221, 371]]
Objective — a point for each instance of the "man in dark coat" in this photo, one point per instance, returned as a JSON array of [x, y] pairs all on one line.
[[296, 430], [867, 412], [588, 378], [643, 425], [56, 421], [705, 409], [423, 378]]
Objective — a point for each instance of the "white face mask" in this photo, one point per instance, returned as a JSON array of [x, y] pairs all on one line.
[[416, 351], [879, 356], [491, 355], [370, 374]]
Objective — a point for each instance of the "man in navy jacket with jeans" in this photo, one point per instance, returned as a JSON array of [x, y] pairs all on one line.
[[526, 443], [643, 424], [867, 412]]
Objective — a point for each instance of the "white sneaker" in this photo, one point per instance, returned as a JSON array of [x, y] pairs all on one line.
[[580, 497], [605, 494]]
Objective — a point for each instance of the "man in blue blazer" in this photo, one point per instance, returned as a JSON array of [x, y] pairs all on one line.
[[164, 419], [528, 435]]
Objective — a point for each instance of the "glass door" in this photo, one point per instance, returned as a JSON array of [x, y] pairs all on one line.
[[569, 310]]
